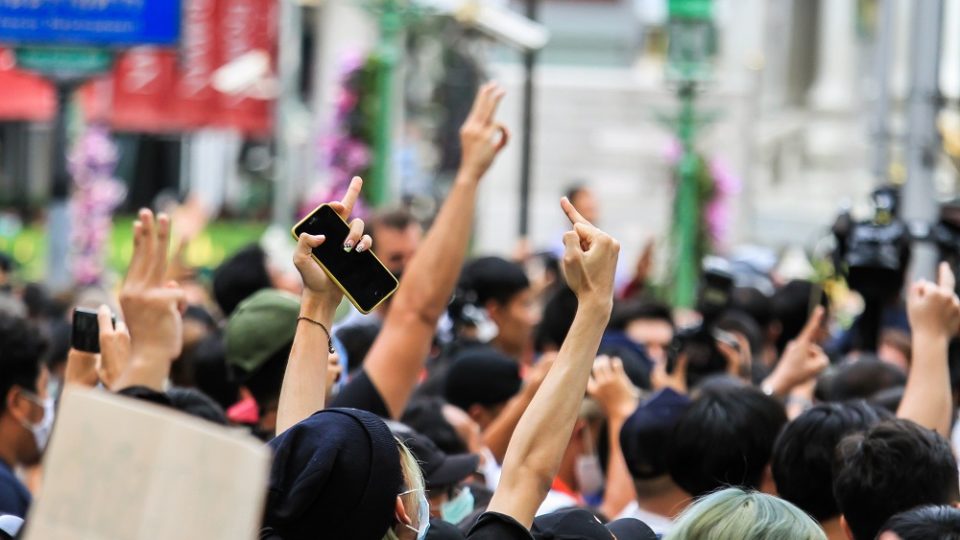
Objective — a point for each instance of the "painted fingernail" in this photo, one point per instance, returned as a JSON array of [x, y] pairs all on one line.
[[361, 248], [348, 246]]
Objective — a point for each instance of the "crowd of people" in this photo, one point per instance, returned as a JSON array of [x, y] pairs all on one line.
[[498, 399]]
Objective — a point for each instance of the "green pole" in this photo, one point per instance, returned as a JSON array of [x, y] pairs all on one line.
[[687, 261], [388, 54]]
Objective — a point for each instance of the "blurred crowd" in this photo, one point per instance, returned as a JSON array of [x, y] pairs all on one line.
[[547, 396]]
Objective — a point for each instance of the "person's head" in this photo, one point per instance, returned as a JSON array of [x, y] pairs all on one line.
[[585, 202], [195, 403], [647, 323], [258, 339], [940, 522], [481, 381], [754, 303], [204, 366], [804, 453], [862, 378], [894, 466], [443, 474], [724, 439], [791, 309], [342, 474], [396, 234], [502, 288], [558, 314], [645, 440], [425, 415], [26, 411], [735, 514], [238, 277], [356, 340]]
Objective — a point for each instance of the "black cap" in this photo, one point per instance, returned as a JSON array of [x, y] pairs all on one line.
[[570, 524], [439, 468], [631, 529], [481, 375], [337, 472], [644, 436]]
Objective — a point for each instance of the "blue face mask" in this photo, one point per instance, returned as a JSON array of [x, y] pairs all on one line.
[[458, 508], [423, 515]]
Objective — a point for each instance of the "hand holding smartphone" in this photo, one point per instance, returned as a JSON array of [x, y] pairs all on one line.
[[361, 276], [86, 330]]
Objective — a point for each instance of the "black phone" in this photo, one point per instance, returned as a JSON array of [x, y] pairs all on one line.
[[86, 330], [361, 276]]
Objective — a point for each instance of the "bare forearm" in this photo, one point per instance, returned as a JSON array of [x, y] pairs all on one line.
[[543, 432], [927, 399], [497, 436], [304, 382], [619, 489], [397, 357]]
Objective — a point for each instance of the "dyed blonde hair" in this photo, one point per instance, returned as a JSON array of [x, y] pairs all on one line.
[[735, 514], [413, 480]]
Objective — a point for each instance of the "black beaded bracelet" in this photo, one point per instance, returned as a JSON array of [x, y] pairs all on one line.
[[325, 330]]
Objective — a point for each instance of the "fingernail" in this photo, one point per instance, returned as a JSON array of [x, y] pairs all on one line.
[[361, 248], [348, 246]]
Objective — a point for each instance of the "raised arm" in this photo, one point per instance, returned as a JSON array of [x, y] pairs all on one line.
[[934, 312], [397, 357], [538, 443], [305, 380]]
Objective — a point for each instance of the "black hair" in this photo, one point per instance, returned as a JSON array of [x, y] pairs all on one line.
[[6, 262], [734, 320], [627, 312], [398, 219], [357, 340], [724, 439], [859, 379], [22, 347], [575, 190], [940, 522], [757, 305], [264, 383], [892, 467], [791, 307], [196, 403], [492, 278], [558, 315], [238, 277], [205, 367], [804, 453], [424, 414]]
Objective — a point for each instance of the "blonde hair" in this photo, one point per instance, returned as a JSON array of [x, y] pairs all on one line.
[[413, 482], [735, 514]]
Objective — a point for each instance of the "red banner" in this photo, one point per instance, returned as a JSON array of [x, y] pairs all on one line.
[[158, 90], [23, 96]]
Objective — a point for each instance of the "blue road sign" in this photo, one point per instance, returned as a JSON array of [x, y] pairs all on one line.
[[104, 23]]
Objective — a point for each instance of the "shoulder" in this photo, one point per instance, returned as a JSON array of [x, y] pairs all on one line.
[[496, 526], [14, 496]]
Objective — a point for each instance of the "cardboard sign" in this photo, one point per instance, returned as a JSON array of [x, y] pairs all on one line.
[[119, 468]]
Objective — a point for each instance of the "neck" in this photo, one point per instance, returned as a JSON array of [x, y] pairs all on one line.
[[833, 529], [8, 440], [662, 497]]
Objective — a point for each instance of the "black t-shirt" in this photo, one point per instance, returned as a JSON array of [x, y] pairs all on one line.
[[360, 393], [14, 497], [495, 526]]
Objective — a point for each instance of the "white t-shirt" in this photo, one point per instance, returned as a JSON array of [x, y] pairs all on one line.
[[659, 524]]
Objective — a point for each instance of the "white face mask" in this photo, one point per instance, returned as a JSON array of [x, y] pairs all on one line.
[[589, 474], [41, 430], [423, 514]]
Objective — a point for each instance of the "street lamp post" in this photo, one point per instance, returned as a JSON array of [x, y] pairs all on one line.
[[690, 50]]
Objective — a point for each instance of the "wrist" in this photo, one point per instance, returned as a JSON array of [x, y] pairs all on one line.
[[318, 306], [598, 306], [775, 385], [924, 334]]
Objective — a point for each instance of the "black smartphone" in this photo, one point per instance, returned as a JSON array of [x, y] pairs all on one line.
[[86, 330], [361, 276]]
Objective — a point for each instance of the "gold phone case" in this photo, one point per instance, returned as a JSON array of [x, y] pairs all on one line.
[[293, 231]]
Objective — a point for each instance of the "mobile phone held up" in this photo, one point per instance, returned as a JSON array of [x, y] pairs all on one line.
[[361, 276], [86, 330]]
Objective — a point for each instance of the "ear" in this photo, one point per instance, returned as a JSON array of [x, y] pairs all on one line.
[[16, 406], [494, 309], [846, 527], [478, 414], [400, 513]]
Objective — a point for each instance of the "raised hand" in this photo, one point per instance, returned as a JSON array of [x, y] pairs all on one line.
[[151, 306], [676, 380], [611, 388], [802, 360], [114, 348], [933, 308], [481, 136], [589, 259], [316, 283]]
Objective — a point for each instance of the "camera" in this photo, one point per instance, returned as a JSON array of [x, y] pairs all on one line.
[[699, 342]]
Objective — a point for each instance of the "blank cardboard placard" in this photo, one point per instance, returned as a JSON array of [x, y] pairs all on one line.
[[120, 469]]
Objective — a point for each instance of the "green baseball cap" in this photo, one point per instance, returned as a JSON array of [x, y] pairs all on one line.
[[261, 325]]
